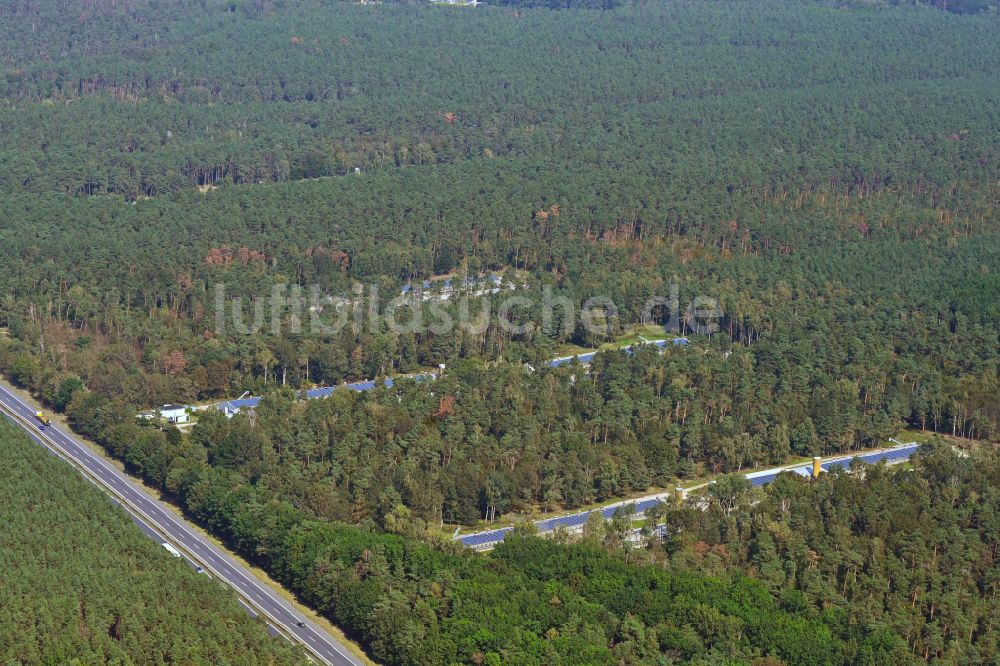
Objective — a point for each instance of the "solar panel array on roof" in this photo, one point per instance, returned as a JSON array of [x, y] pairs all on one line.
[[315, 393], [242, 403], [327, 391], [575, 520], [586, 359], [890, 455], [493, 536], [764, 479], [361, 386], [322, 392], [646, 505], [572, 521], [583, 359], [549, 524]]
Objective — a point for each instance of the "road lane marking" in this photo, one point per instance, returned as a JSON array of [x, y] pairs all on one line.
[[54, 435]]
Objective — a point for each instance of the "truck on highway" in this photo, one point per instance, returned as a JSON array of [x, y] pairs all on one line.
[[170, 549], [43, 419]]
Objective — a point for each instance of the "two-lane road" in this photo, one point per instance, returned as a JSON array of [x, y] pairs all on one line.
[[152, 511]]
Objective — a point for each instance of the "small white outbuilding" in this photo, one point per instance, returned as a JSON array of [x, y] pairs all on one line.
[[176, 413]]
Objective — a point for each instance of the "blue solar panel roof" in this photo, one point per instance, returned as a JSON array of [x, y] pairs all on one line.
[[763, 480], [493, 537], [320, 392], [646, 505], [589, 356], [242, 403], [890, 455]]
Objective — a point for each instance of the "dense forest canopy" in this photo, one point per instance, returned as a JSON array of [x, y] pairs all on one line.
[[913, 552], [157, 97], [805, 165], [876, 566], [828, 173], [80, 584]]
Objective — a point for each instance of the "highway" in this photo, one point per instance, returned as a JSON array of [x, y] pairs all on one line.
[[154, 513]]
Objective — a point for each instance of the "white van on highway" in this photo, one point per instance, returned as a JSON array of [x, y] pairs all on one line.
[[170, 549]]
